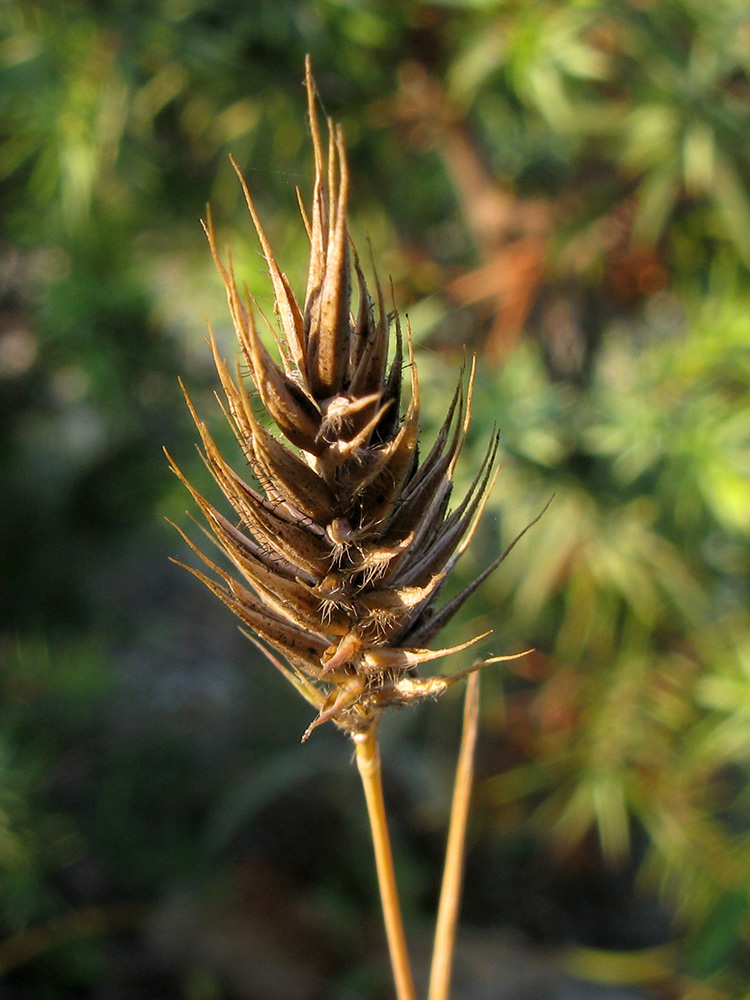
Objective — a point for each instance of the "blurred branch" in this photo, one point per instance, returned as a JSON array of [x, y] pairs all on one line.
[[86, 922], [511, 233]]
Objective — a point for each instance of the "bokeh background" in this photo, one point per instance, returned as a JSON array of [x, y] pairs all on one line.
[[562, 188]]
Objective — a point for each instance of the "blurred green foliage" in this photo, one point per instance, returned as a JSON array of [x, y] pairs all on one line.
[[565, 187]]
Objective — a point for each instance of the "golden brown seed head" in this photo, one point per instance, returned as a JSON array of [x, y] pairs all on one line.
[[340, 552]]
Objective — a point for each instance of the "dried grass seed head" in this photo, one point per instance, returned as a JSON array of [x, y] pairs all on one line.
[[338, 559]]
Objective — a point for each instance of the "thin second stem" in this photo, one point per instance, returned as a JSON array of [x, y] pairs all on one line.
[[450, 891]]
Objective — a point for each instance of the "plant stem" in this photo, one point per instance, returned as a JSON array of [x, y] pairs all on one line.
[[368, 763], [450, 889]]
